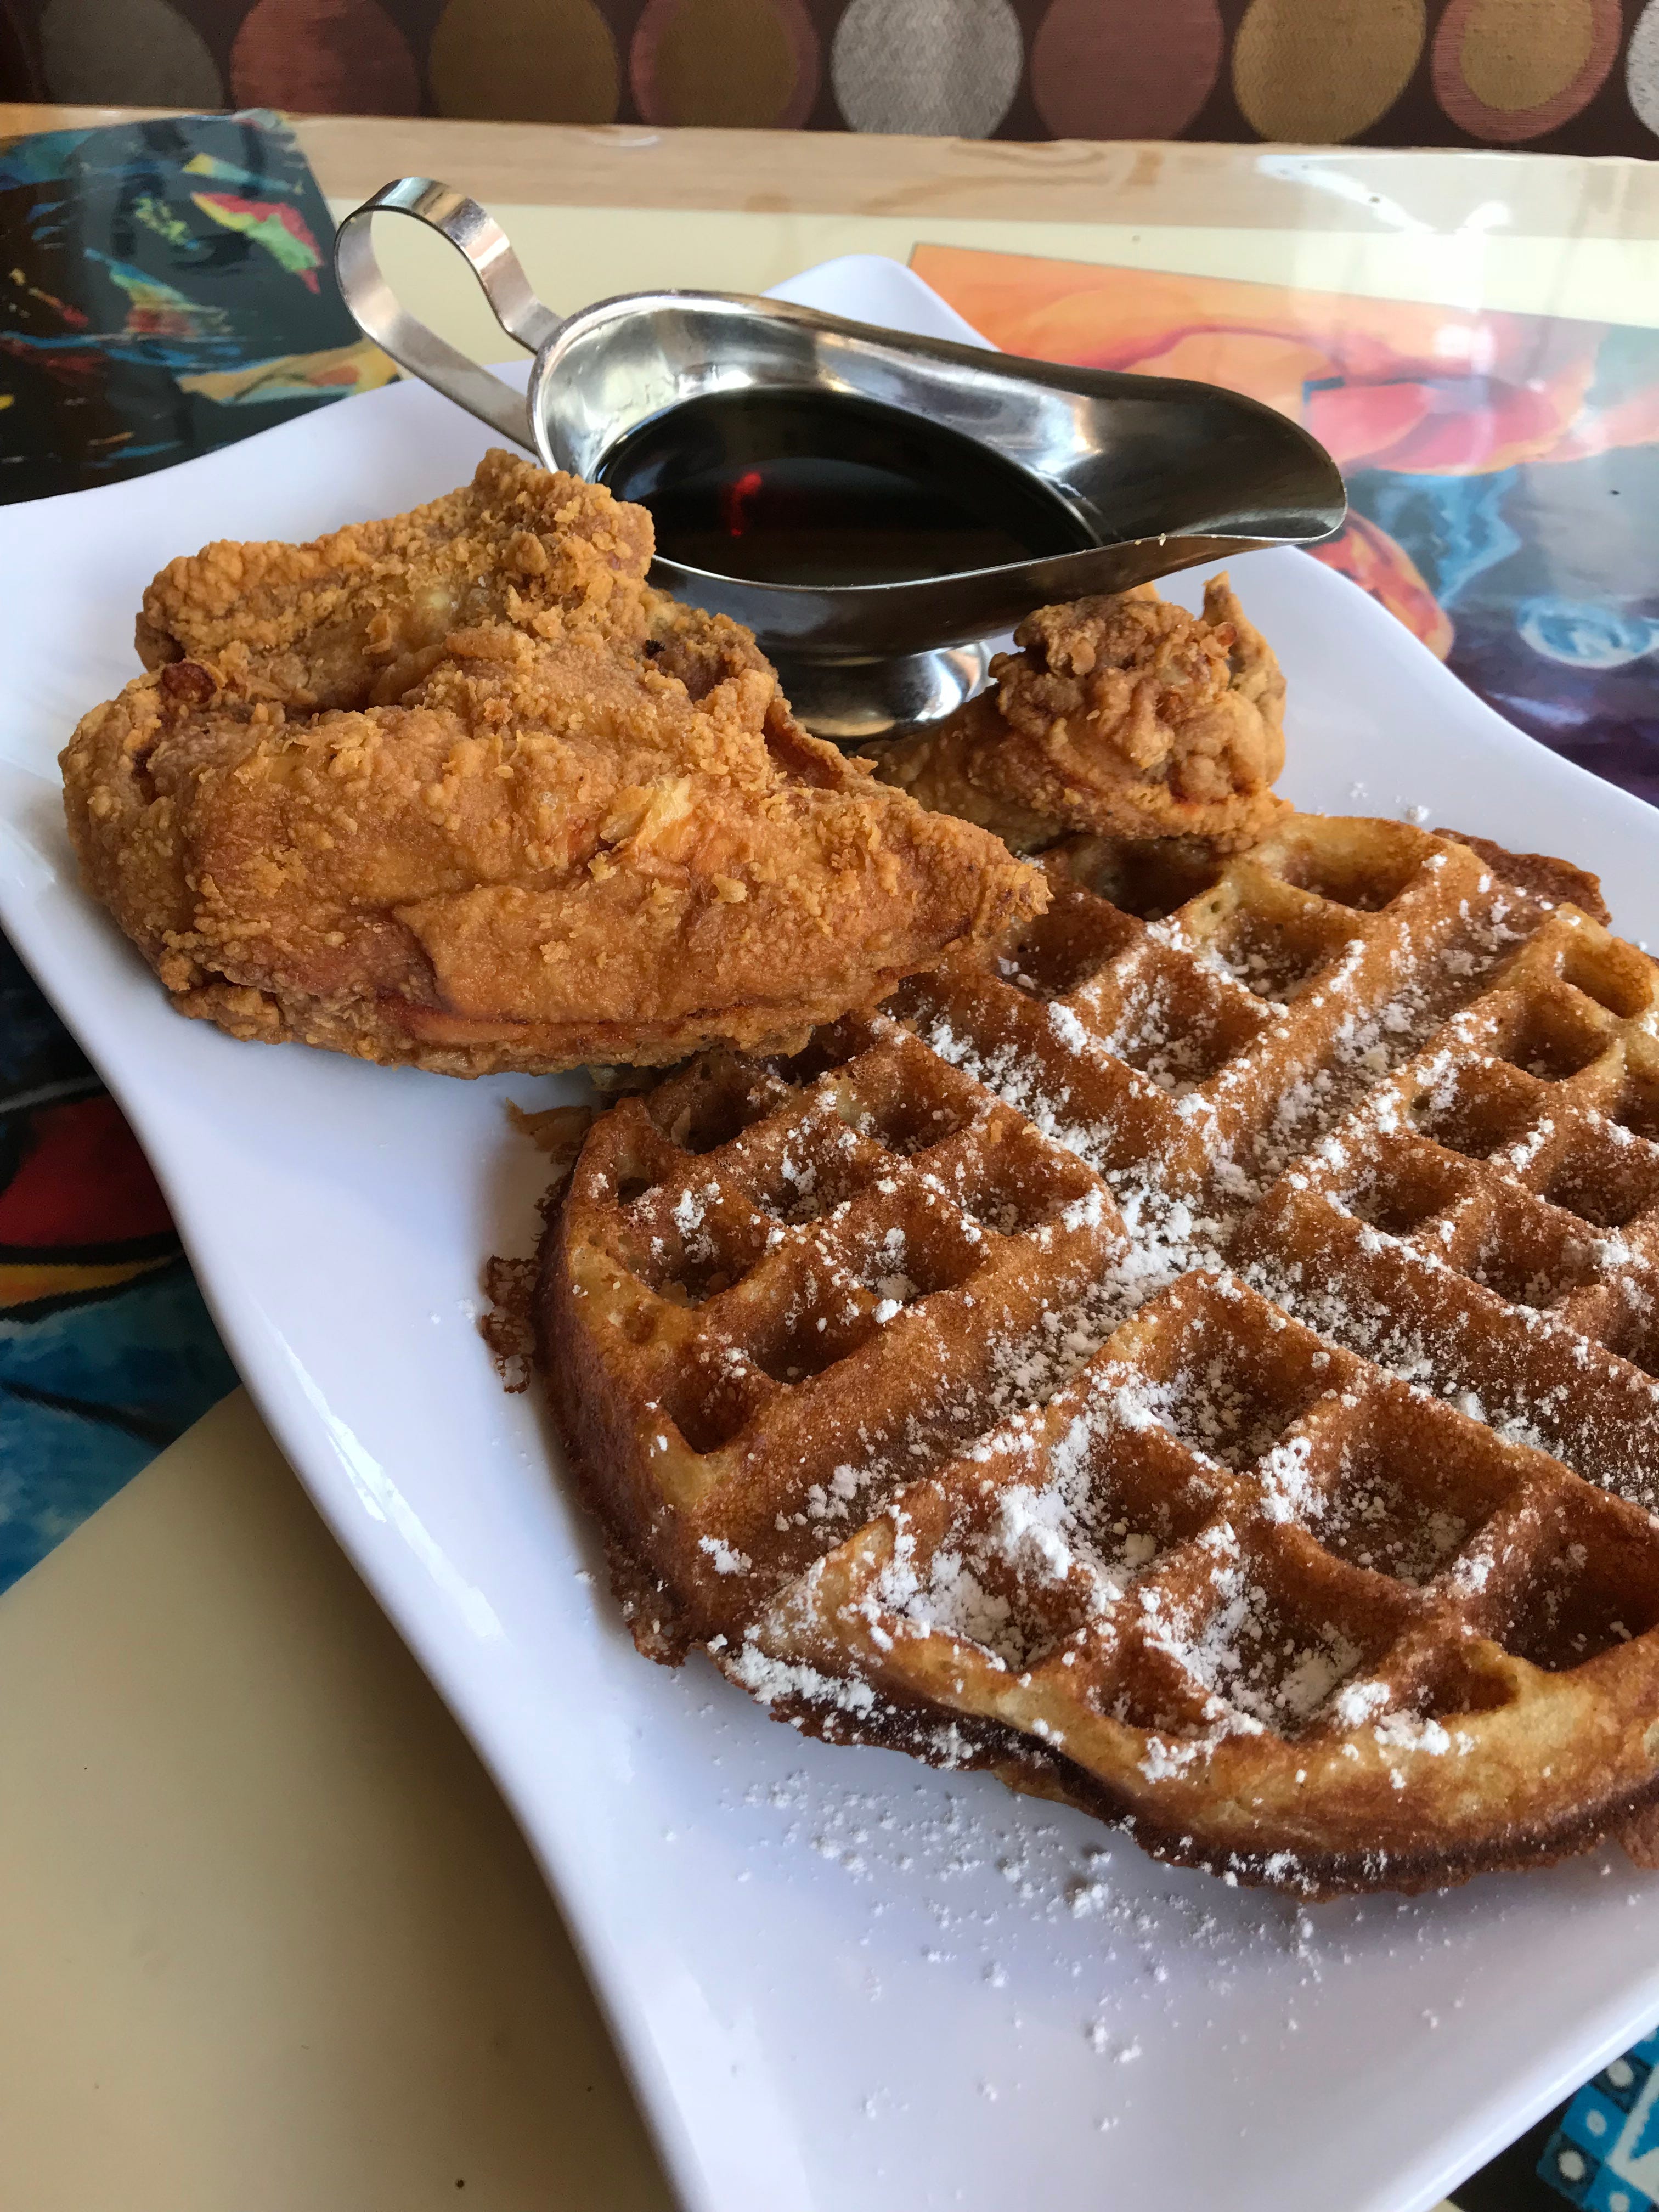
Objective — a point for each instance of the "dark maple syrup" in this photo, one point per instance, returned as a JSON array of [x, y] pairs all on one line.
[[784, 487]]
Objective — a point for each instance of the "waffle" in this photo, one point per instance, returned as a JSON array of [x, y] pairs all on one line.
[[1198, 1363]]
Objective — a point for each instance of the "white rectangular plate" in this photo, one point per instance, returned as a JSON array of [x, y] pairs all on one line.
[[841, 1981]]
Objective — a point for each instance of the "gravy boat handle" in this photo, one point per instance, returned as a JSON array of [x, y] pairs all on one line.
[[500, 273]]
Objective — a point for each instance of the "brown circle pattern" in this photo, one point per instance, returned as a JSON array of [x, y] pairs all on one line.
[[1095, 74], [1561, 75], [323, 56]]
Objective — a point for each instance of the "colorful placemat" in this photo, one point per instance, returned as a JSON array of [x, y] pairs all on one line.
[[1604, 2152], [164, 289], [106, 1351], [1503, 470]]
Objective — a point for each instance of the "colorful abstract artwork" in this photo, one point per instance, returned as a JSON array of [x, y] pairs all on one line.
[[1503, 470], [106, 1351], [1604, 2153], [164, 289]]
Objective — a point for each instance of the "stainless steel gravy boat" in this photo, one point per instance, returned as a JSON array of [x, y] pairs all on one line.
[[1161, 473]]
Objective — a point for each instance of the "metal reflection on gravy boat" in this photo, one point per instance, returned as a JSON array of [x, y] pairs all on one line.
[[1154, 473]]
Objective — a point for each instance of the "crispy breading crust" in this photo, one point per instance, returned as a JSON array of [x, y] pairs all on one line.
[[545, 855], [354, 619], [458, 789], [1122, 717]]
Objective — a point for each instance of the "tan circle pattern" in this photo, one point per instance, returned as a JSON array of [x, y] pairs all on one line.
[[1508, 70], [725, 64], [525, 61], [1324, 70]]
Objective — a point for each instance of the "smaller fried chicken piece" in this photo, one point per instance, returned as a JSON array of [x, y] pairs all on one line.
[[354, 619], [1122, 717]]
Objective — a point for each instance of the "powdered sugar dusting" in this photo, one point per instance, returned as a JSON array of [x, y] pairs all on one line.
[[1107, 1513]]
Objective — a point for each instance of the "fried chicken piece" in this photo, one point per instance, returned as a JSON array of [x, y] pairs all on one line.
[[550, 851], [701, 649], [353, 619], [460, 788], [1123, 717]]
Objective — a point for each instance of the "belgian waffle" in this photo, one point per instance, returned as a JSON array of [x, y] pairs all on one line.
[[1199, 1364]]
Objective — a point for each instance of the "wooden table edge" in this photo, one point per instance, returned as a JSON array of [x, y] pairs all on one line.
[[1131, 181]]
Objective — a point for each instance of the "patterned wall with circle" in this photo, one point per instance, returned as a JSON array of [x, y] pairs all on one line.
[[1564, 76]]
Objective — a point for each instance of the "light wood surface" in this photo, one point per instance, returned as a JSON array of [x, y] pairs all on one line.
[[269, 1940], [1059, 181]]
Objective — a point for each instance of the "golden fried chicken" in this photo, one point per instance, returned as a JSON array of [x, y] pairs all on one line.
[[550, 850], [1123, 717], [354, 619]]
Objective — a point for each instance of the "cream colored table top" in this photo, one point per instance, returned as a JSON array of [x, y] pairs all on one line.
[[269, 1939]]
